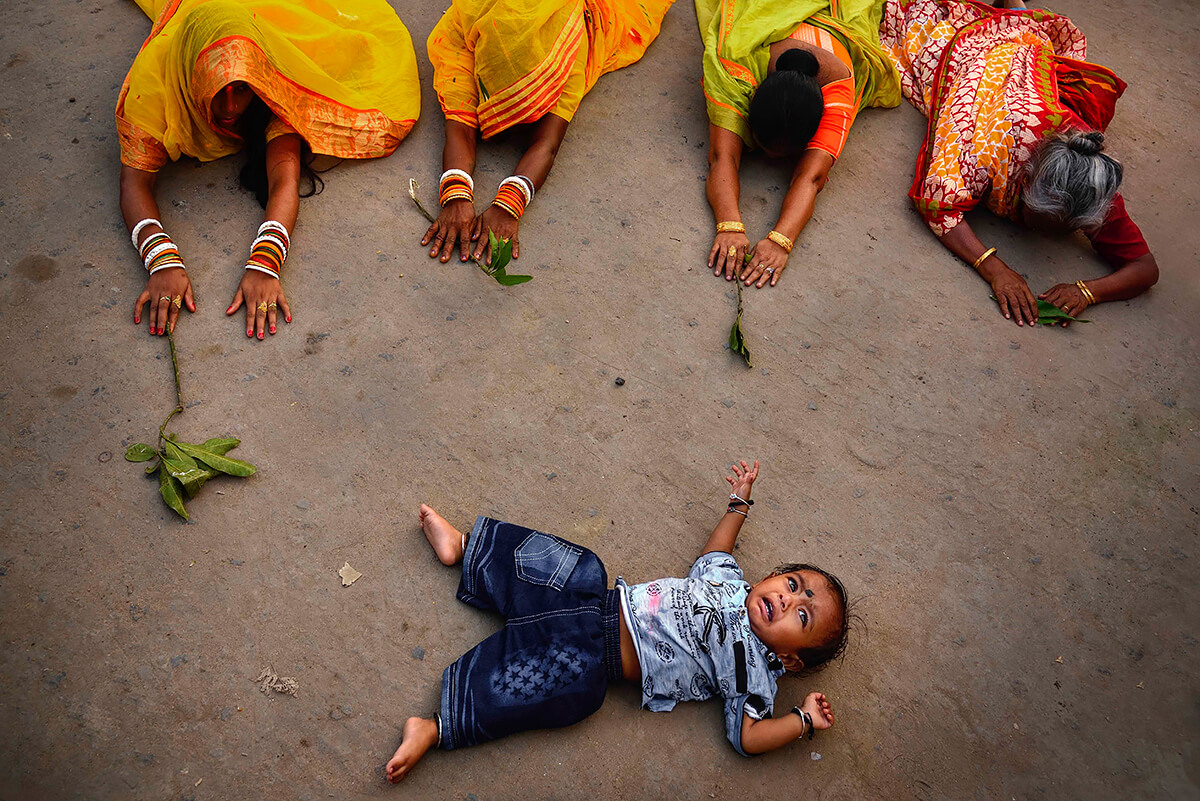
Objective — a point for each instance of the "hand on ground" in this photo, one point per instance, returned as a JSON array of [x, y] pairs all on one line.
[[768, 263], [722, 259], [1015, 298], [167, 291], [1067, 297], [742, 479], [262, 294], [499, 222], [453, 226], [816, 705]]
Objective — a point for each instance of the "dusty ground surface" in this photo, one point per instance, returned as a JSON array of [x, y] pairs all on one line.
[[1017, 510]]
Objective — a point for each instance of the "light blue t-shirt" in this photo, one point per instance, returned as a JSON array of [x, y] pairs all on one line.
[[693, 641]]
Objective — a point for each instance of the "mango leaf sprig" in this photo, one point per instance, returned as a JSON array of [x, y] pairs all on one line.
[[184, 467], [501, 249]]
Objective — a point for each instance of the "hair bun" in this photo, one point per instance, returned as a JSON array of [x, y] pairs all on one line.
[[798, 60], [1087, 144]]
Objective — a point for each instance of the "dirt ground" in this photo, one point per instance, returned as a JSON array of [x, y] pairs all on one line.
[[1016, 510]]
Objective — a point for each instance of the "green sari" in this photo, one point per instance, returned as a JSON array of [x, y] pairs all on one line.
[[737, 38]]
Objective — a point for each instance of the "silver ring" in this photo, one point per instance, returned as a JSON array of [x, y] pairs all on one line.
[[770, 271]]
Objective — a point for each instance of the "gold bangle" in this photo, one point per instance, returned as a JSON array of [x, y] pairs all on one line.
[[731, 226], [984, 257], [1087, 293], [781, 240]]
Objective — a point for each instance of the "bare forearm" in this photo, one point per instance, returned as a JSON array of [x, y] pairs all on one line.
[[1129, 281], [797, 208], [459, 152], [725, 535], [760, 736], [137, 197], [538, 159], [962, 242], [723, 189], [283, 180]]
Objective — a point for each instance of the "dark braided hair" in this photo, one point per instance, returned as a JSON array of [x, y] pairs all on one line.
[[253, 129], [787, 108]]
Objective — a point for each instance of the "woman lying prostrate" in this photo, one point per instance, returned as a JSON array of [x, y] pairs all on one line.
[[503, 63], [280, 79], [1015, 120], [788, 78]]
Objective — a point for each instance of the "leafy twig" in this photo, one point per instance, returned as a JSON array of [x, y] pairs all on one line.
[[737, 340], [501, 249], [1049, 314], [184, 467]]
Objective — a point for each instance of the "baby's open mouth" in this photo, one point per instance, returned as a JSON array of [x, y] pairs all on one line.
[[768, 609]]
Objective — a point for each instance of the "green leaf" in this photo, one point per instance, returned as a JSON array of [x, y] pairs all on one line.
[[233, 467], [190, 473], [170, 490], [150, 468], [737, 341], [1049, 314], [141, 452], [504, 279], [221, 445], [501, 253]]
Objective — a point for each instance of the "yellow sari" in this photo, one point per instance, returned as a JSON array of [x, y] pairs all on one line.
[[341, 73], [500, 63]]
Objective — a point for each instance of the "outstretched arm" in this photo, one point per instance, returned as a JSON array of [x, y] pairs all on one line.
[[453, 225], [162, 288], [725, 535], [1012, 292], [535, 165], [1130, 280], [808, 179], [262, 294], [760, 736], [723, 189]]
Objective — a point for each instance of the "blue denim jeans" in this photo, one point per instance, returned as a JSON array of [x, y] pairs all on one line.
[[560, 646]]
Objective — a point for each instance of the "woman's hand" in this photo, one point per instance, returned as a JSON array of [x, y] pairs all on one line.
[[167, 291], [742, 480], [262, 294], [728, 252], [768, 264], [453, 225], [1067, 297], [1015, 297], [819, 710], [499, 222]]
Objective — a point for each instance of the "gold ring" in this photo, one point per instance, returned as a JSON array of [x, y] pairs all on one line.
[[178, 301], [272, 305], [167, 298], [732, 250], [262, 305]]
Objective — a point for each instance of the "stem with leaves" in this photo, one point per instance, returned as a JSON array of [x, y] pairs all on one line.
[[501, 249]]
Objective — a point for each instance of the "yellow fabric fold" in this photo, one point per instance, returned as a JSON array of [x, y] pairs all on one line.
[[500, 63], [341, 74]]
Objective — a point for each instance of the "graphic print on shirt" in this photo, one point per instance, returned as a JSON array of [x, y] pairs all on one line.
[[710, 616]]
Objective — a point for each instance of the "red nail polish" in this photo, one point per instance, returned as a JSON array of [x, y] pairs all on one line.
[[249, 333], [272, 329], [289, 319]]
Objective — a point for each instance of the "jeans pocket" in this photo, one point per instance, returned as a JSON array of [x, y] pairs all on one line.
[[545, 560]]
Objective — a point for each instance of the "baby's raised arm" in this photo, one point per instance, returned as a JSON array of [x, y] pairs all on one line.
[[726, 532], [760, 736]]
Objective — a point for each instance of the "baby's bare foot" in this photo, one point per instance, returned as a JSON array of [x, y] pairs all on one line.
[[447, 541], [420, 734]]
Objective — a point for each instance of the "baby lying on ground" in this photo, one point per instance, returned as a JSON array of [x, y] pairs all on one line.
[[567, 635]]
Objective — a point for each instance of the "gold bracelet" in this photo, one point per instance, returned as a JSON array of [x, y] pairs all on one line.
[[1087, 293], [781, 240], [984, 257], [731, 226]]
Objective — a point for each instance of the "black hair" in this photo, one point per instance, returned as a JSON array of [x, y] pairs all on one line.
[[835, 646], [787, 108], [253, 129]]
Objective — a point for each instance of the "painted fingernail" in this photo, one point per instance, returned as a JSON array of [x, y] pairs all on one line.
[[260, 335], [289, 319], [249, 333], [272, 329]]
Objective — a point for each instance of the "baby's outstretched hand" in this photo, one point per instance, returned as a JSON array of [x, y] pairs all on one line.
[[742, 479], [819, 709]]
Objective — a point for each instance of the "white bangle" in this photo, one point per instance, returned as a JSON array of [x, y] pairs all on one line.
[[137, 229], [272, 224], [466, 176], [271, 273], [167, 265], [522, 184], [154, 251], [271, 236]]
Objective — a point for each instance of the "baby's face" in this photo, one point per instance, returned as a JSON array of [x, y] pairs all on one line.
[[794, 611]]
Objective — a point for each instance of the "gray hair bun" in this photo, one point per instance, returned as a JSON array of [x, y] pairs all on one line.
[[1086, 144]]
